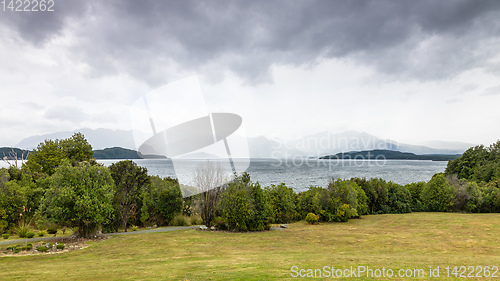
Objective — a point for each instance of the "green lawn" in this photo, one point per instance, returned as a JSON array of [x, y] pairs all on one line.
[[410, 241]]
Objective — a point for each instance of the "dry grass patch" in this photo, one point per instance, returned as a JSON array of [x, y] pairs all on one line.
[[409, 241]]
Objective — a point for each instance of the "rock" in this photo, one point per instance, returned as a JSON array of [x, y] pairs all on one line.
[[283, 226], [212, 228], [202, 227]]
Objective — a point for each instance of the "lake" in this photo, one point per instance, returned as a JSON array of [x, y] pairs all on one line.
[[300, 174]]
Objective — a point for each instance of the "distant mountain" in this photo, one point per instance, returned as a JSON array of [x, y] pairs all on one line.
[[389, 155], [325, 143], [99, 138]]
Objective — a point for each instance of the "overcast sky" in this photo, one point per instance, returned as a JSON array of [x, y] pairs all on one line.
[[404, 70]]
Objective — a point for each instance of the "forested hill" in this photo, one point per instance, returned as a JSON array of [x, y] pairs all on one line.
[[389, 155], [11, 153], [121, 153], [107, 153]]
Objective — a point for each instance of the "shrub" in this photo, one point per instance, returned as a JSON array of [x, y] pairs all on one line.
[[181, 220], [42, 248], [30, 234], [60, 246], [438, 195], [5, 236], [376, 192], [52, 230], [244, 206], [41, 233], [312, 218], [135, 228], [49, 245], [22, 229], [398, 199], [17, 250], [344, 203], [283, 203], [195, 219], [415, 190]]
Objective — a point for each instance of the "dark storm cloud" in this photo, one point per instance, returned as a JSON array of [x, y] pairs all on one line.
[[150, 39]]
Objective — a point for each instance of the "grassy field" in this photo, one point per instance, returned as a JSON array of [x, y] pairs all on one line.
[[410, 241]]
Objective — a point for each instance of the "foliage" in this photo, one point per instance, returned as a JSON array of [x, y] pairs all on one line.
[[135, 228], [79, 196], [130, 181], [22, 229], [283, 203], [181, 220], [52, 230], [398, 199], [5, 236], [60, 246], [347, 200], [376, 192], [30, 234], [162, 201], [42, 248], [47, 156], [479, 164], [438, 195], [312, 218], [208, 179], [490, 195], [244, 205], [312, 201], [415, 189]]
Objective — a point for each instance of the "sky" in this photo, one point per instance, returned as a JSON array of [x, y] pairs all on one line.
[[410, 71]]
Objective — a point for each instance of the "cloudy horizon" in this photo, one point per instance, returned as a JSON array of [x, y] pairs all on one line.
[[406, 71]]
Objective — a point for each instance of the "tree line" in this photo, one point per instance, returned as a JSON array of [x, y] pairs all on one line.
[[62, 185]]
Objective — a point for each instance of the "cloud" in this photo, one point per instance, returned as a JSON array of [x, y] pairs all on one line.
[[160, 41], [66, 113]]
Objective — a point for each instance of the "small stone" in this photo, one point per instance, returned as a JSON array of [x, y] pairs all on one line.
[[283, 226], [202, 227], [212, 228]]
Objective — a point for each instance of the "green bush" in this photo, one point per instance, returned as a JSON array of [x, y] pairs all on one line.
[[5, 236], [135, 228], [22, 229], [283, 203], [415, 189], [376, 192], [17, 250], [181, 220], [41, 233], [60, 246], [399, 199], [52, 230], [312, 218], [30, 234], [195, 219], [42, 248], [49, 245], [347, 200], [438, 195], [244, 206]]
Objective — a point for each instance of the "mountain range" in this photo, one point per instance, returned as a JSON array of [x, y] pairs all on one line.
[[317, 145]]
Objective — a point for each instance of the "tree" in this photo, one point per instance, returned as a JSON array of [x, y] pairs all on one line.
[[47, 156], [244, 205], [283, 202], [130, 180], [208, 178], [438, 195], [162, 201], [79, 196]]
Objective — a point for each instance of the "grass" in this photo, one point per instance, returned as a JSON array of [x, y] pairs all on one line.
[[409, 241], [15, 236]]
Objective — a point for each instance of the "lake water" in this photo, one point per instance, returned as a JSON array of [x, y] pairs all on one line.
[[300, 174]]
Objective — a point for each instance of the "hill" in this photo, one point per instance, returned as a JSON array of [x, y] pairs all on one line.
[[121, 153], [379, 154]]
